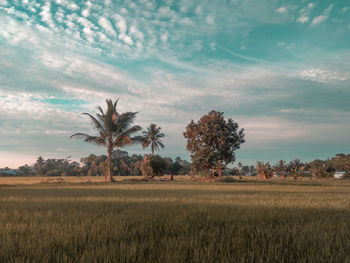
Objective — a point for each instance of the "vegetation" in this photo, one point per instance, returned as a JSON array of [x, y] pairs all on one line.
[[276, 221], [153, 137], [114, 130], [212, 142], [95, 165]]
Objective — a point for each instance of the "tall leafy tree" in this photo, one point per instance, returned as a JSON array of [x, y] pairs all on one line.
[[153, 137], [114, 130], [212, 141]]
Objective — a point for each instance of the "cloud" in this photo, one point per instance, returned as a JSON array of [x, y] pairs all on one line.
[[120, 23], [107, 26], [311, 5], [281, 10], [303, 19], [46, 15], [134, 31], [324, 75], [210, 20], [320, 19]]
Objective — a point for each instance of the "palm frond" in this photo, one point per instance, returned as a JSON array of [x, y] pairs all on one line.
[[100, 110], [125, 120], [160, 135], [161, 144], [89, 138], [115, 105], [97, 125], [120, 137]]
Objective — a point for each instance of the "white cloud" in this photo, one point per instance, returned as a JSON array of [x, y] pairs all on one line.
[[311, 5], [46, 15], [303, 19], [282, 10], [198, 10], [134, 31], [85, 12], [124, 11], [210, 20], [60, 15], [320, 19], [127, 39], [164, 37], [107, 26], [89, 34], [120, 23], [323, 75], [73, 6]]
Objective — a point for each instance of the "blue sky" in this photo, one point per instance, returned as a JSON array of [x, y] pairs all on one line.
[[281, 69]]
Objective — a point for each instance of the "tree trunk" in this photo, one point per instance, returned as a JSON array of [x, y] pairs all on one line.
[[109, 166]]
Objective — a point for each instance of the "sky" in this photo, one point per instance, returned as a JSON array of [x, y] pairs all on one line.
[[281, 69]]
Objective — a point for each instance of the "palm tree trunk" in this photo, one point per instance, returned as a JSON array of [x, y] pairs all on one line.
[[109, 166]]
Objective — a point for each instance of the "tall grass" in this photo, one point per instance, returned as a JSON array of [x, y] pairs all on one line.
[[178, 222]]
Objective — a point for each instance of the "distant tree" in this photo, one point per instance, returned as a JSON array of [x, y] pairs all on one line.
[[296, 169], [318, 169], [39, 168], [153, 137], [264, 170], [25, 170], [114, 130], [212, 142], [281, 168], [158, 165]]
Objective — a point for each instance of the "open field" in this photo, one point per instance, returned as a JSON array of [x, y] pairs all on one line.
[[249, 221]]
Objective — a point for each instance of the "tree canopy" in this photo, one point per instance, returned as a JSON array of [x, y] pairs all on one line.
[[212, 141]]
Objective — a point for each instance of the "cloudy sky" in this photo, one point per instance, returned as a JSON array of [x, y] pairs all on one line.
[[281, 69]]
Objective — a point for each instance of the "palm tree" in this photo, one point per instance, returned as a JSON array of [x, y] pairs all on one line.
[[114, 130], [153, 137]]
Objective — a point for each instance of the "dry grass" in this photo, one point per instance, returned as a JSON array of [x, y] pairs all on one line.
[[181, 221]]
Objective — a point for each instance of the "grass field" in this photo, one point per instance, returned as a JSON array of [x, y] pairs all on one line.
[[248, 221]]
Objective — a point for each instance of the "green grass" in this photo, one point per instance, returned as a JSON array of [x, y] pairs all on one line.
[[307, 221]]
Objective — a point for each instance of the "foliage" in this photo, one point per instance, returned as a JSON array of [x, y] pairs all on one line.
[[318, 169], [264, 170], [296, 169], [212, 141], [158, 165], [153, 137], [145, 167], [281, 168], [114, 130]]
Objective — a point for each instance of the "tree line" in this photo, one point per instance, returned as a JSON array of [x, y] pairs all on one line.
[[212, 142], [123, 164]]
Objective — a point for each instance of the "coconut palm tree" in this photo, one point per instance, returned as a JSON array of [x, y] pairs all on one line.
[[153, 137], [114, 130]]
